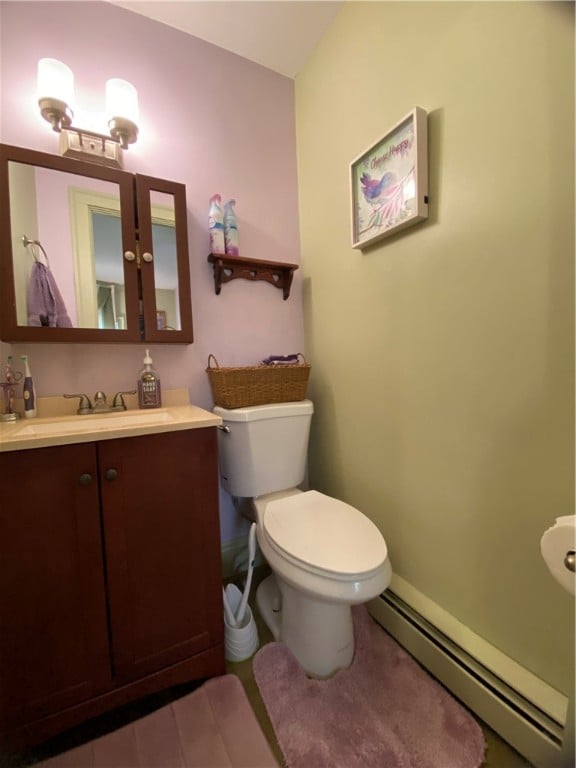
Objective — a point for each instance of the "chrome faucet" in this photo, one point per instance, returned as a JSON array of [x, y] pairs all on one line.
[[85, 407]]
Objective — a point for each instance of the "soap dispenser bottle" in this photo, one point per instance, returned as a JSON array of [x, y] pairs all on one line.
[[149, 393]]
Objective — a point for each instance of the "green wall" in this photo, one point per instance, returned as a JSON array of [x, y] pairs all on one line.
[[442, 358]]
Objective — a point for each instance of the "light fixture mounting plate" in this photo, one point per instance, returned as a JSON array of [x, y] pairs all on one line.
[[83, 145]]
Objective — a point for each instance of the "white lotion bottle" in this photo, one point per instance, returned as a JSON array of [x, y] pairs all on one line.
[[28, 390]]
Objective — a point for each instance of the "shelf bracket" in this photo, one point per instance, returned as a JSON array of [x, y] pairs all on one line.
[[277, 273]]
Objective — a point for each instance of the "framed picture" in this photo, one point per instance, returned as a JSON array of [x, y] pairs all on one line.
[[389, 182]]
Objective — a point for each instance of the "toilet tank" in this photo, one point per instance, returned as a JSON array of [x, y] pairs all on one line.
[[263, 448]]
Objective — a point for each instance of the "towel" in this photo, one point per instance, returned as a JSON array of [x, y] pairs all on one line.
[[281, 360], [45, 302]]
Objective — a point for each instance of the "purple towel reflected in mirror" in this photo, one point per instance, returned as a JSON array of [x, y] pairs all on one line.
[[45, 303]]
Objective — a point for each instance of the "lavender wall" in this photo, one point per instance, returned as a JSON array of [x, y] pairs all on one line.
[[209, 119]]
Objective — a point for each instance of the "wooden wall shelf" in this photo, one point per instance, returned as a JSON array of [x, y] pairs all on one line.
[[277, 273]]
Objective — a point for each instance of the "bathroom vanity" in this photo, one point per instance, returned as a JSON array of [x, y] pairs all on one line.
[[110, 566]]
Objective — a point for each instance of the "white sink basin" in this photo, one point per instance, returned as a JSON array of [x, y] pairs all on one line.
[[95, 423]]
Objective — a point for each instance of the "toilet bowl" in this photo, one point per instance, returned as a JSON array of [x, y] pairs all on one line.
[[325, 557], [324, 554]]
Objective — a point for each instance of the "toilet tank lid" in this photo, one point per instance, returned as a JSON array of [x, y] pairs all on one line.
[[273, 411]]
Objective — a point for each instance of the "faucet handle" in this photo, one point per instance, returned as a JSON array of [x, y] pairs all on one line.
[[118, 401], [85, 406]]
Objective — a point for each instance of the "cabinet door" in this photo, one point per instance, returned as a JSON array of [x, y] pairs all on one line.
[[162, 542], [54, 649], [165, 268], [91, 253]]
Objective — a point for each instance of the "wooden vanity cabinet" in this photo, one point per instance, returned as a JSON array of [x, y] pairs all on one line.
[[110, 577], [53, 630], [161, 539]]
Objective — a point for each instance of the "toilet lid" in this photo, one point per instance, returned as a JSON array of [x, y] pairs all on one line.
[[324, 533]]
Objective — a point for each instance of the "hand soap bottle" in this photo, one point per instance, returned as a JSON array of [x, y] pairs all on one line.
[[149, 394]]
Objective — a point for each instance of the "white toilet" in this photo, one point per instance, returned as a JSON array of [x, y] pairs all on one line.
[[325, 555]]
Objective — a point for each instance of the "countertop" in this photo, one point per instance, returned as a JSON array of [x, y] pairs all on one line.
[[51, 430]]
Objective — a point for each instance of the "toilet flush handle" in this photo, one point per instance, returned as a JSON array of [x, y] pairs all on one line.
[[223, 428]]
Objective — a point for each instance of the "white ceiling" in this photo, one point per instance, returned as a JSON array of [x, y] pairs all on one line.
[[279, 34]]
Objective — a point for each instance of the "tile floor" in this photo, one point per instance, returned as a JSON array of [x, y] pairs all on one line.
[[498, 754]]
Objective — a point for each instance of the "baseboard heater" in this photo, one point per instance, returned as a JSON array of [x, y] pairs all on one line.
[[532, 731]]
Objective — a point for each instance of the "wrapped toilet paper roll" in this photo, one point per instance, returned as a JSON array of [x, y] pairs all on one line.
[[556, 545]]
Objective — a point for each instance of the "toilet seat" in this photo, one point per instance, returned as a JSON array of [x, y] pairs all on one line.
[[324, 535]]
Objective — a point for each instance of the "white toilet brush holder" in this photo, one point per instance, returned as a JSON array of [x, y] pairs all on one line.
[[241, 641]]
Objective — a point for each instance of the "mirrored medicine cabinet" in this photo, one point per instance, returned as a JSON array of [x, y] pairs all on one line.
[[90, 253]]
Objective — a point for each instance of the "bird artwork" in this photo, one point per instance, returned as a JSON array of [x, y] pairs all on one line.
[[385, 197], [373, 189]]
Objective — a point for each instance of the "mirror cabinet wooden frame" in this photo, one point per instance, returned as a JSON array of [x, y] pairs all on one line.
[[142, 324]]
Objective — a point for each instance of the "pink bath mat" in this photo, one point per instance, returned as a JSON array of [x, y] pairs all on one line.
[[384, 711], [212, 727]]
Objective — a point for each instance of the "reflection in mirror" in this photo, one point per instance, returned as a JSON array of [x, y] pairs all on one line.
[[61, 211], [98, 254], [165, 262], [108, 269]]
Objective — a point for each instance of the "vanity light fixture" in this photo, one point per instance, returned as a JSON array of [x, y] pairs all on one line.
[[56, 99]]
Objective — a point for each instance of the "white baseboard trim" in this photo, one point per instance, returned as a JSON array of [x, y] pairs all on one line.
[[524, 710]]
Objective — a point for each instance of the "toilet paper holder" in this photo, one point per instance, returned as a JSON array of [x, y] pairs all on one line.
[[570, 561]]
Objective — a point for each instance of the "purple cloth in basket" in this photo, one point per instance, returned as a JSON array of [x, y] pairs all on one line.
[[281, 360], [45, 302]]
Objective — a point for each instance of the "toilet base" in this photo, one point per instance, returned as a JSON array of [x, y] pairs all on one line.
[[320, 634], [269, 602]]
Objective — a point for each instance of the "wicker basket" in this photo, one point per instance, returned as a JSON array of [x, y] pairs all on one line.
[[258, 384]]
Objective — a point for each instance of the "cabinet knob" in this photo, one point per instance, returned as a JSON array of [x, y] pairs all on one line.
[[111, 474], [147, 257], [129, 255], [85, 479]]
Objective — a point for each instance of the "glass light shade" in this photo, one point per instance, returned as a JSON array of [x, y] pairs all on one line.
[[55, 81], [121, 100]]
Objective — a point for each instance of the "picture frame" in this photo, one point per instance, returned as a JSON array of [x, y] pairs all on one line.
[[389, 181]]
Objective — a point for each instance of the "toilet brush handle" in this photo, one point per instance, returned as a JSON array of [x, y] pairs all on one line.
[[251, 555], [240, 613]]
